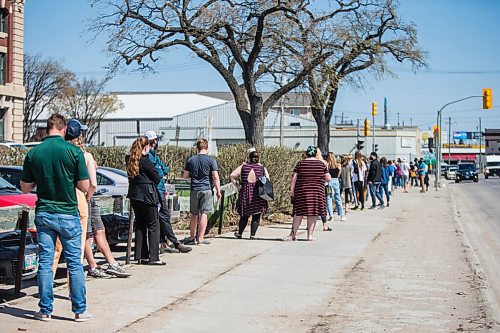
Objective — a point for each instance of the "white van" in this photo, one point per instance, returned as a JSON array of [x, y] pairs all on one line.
[[492, 166]]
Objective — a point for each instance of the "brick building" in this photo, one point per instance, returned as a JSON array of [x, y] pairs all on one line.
[[12, 92]]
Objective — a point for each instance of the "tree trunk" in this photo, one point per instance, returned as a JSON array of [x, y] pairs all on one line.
[[253, 121], [323, 131]]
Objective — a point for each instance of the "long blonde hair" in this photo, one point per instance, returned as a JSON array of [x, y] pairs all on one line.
[[135, 156], [79, 142], [359, 158], [332, 161]]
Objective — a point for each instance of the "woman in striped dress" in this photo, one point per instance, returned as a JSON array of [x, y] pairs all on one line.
[[307, 192], [249, 202]]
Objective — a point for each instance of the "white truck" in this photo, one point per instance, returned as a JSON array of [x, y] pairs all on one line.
[[492, 167]]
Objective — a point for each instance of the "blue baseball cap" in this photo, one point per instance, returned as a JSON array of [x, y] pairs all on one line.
[[74, 128]]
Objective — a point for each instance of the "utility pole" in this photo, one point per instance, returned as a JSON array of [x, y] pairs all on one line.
[[398, 118], [357, 135], [449, 140]]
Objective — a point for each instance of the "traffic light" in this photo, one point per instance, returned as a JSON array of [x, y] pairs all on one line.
[[367, 127], [374, 109], [487, 98], [376, 147], [359, 145]]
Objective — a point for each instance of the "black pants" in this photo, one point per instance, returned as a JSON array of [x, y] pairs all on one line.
[[360, 193], [244, 221], [166, 231], [147, 235]]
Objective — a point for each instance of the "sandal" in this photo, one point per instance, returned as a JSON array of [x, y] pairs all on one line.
[[289, 239], [328, 229]]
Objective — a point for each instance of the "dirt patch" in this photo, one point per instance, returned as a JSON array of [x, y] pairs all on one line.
[[415, 277]]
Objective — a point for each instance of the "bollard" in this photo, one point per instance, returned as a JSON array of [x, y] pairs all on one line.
[[223, 194], [23, 226], [130, 231]]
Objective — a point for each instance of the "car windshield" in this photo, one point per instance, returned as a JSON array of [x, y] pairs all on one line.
[[453, 168], [493, 164], [117, 171], [466, 167], [6, 186]]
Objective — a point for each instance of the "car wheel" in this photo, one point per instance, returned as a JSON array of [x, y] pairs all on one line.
[[485, 176], [456, 180]]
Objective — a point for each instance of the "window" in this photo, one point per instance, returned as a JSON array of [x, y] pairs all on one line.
[[3, 68], [101, 180], [4, 15], [2, 113]]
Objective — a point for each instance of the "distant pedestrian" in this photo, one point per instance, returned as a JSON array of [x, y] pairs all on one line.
[[145, 200], [405, 170], [55, 167], [358, 178], [374, 180], [385, 180], [307, 192], [249, 203], [334, 168], [421, 174], [203, 172], [166, 230], [346, 177]]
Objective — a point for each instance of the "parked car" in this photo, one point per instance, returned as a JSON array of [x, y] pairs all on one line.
[[492, 166], [10, 196], [13, 145], [466, 171], [110, 181], [9, 249], [451, 172]]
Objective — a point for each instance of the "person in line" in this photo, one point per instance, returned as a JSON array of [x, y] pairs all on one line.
[[421, 174], [328, 189], [203, 172], [346, 176], [334, 169], [416, 164], [405, 169], [249, 203], [145, 200], [307, 193], [166, 230], [374, 179], [56, 213], [73, 131], [358, 178], [385, 181]]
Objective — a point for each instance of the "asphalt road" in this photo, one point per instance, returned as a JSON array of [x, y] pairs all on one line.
[[478, 208]]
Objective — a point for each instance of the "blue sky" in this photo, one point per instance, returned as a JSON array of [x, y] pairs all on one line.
[[462, 38]]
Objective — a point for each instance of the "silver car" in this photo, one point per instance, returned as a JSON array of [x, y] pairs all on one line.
[[111, 181], [451, 172]]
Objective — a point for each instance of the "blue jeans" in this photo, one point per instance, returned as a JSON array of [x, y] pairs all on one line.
[[334, 183], [375, 193], [385, 188], [48, 227]]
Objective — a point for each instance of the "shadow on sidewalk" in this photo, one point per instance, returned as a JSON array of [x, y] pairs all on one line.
[[27, 314], [253, 240]]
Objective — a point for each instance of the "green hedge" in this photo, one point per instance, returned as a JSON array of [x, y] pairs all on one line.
[[279, 162]]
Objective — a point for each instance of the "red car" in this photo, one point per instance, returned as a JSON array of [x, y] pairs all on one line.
[[10, 196]]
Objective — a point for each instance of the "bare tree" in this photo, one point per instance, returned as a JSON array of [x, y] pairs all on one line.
[[86, 101], [365, 41], [45, 80], [241, 40]]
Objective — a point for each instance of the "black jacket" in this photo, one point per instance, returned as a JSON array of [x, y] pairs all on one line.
[[375, 172], [143, 187]]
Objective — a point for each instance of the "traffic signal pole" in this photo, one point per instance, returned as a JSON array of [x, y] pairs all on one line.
[[439, 151], [373, 132]]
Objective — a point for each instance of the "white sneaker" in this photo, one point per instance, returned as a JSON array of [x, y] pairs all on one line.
[[343, 218], [43, 317], [84, 316]]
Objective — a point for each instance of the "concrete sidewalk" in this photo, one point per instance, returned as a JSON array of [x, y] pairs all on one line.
[[264, 285]]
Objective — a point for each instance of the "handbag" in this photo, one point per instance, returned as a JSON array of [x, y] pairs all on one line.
[[328, 190], [265, 186]]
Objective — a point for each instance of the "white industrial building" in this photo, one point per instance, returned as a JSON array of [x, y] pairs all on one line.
[[182, 118]]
